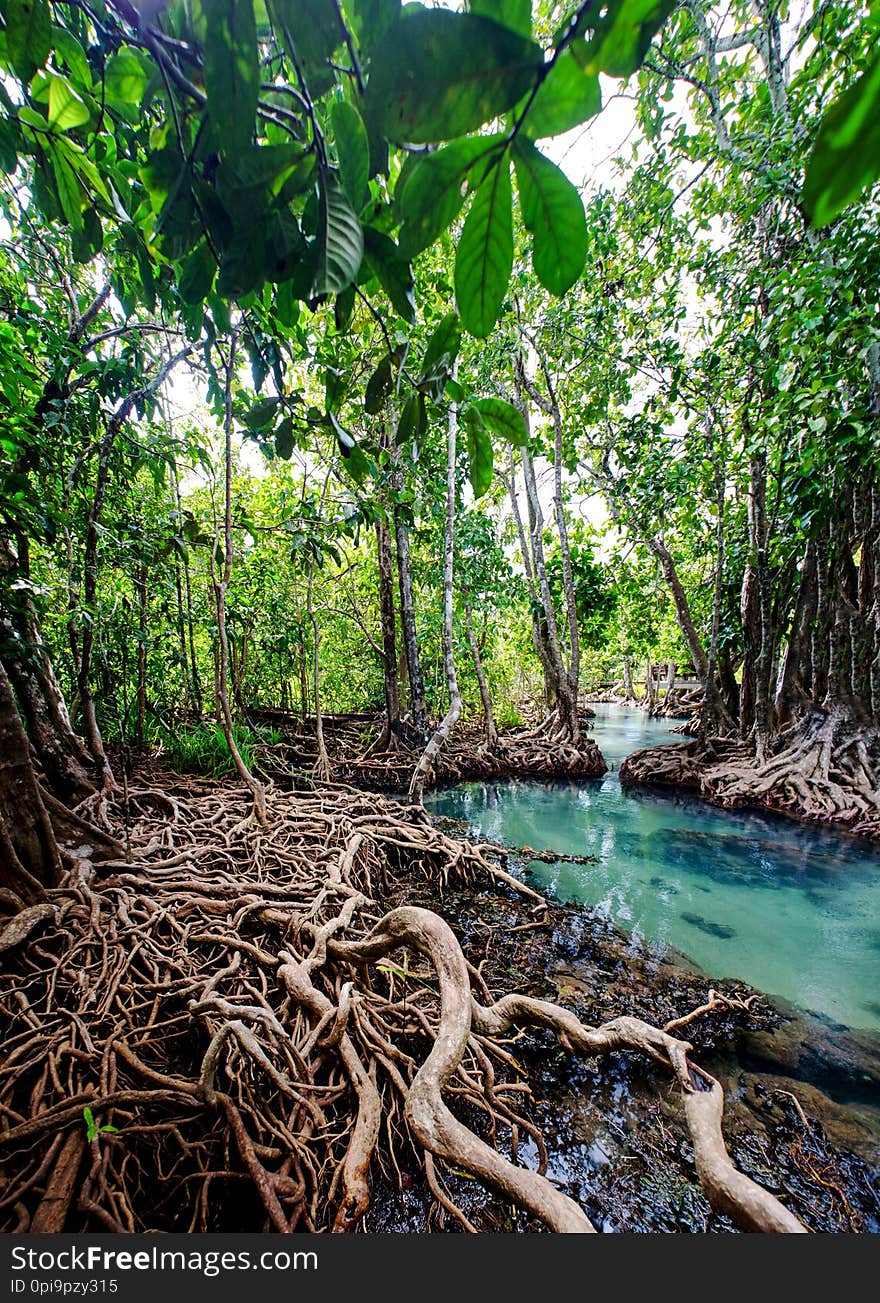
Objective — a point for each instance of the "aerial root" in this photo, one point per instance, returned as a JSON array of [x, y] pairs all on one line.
[[824, 770], [239, 1008]]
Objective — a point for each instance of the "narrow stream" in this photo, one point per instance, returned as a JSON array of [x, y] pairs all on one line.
[[791, 910]]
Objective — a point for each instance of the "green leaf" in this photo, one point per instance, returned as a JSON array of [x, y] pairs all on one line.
[[352, 151], [232, 71], [70, 193], [438, 74], [846, 156], [411, 421], [442, 348], [126, 76], [339, 240], [197, 275], [261, 413], [622, 35], [503, 419], [393, 271], [28, 35], [379, 387], [89, 240], [484, 258], [68, 50], [554, 214], [515, 14], [343, 309], [567, 97], [66, 108], [481, 465], [284, 440], [433, 190]]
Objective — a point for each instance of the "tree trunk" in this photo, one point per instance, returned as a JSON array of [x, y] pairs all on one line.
[[185, 629], [567, 707], [391, 726], [322, 768], [650, 695], [142, 655], [485, 698], [539, 632], [29, 856], [418, 707], [220, 585], [64, 756], [628, 688], [425, 767]]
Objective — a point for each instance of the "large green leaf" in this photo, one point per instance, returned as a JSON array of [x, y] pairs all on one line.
[[67, 50], [442, 348], [434, 189], [232, 71], [515, 14], [554, 214], [352, 151], [379, 387], [484, 258], [126, 76], [339, 240], [28, 35], [66, 108], [621, 36], [566, 97], [70, 193], [437, 75], [393, 272], [197, 275], [503, 419], [846, 156], [481, 464]]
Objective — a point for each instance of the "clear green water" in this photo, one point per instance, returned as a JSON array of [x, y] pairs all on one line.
[[792, 911]]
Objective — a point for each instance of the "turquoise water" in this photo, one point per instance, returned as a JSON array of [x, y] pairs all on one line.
[[792, 911]]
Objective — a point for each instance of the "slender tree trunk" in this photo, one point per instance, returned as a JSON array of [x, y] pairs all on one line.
[[142, 655], [567, 708], [418, 707], [303, 680], [628, 688], [185, 631], [391, 727], [29, 856], [220, 586], [425, 767], [564, 546], [485, 698], [795, 675], [650, 695], [539, 635], [322, 768]]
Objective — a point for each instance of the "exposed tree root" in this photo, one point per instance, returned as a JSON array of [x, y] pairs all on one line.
[[269, 1039], [540, 752], [824, 770]]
